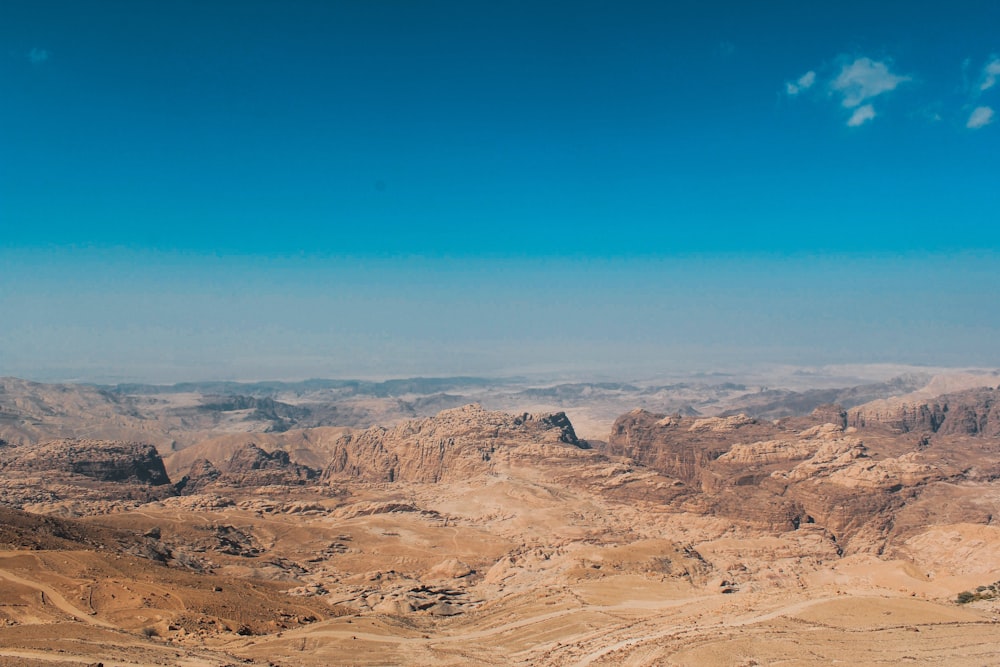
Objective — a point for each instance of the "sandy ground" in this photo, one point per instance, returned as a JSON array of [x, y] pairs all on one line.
[[535, 573]]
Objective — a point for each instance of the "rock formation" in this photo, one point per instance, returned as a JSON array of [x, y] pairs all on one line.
[[104, 461], [474, 536], [972, 412], [75, 475], [449, 446], [248, 467], [678, 446], [779, 476]]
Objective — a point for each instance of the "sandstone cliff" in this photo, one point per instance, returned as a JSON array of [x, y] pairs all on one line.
[[778, 476], [452, 445], [249, 466], [104, 461], [679, 446], [67, 475], [973, 412]]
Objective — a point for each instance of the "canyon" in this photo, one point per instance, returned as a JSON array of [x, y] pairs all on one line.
[[469, 521]]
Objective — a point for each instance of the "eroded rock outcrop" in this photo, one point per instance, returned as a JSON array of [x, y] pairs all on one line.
[[779, 476], [974, 412], [92, 476], [451, 445], [101, 460], [249, 466], [679, 446]]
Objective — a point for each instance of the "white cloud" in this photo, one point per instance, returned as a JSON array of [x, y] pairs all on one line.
[[864, 79], [980, 117], [861, 116], [804, 82], [38, 56], [990, 74]]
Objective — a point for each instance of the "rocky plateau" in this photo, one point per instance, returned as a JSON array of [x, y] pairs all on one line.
[[487, 536]]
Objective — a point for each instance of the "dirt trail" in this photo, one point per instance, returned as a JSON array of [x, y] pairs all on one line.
[[47, 656], [54, 598], [495, 630], [689, 630]]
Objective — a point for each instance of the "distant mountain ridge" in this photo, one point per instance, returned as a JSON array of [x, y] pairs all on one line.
[[173, 417], [384, 388]]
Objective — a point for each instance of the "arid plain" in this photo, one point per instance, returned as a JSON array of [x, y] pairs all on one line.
[[708, 521]]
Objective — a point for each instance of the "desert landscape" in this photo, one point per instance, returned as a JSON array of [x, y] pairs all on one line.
[[254, 524], [544, 334]]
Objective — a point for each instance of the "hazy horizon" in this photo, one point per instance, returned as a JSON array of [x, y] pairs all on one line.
[[254, 190]]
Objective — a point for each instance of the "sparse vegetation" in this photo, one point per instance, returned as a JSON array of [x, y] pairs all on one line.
[[982, 593]]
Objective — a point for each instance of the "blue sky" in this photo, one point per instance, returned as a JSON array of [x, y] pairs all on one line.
[[522, 184]]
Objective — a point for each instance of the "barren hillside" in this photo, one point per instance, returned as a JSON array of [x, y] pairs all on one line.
[[483, 537]]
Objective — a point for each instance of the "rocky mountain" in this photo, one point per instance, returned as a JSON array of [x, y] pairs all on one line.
[[680, 446], [973, 412], [281, 415], [778, 403], [33, 412], [247, 467], [788, 474], [174, 417], [104, 461], [477, 536], [380, 389], [74, 470], [452, 445]]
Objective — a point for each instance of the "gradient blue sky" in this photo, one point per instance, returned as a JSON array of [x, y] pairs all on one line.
[[264, 189]]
